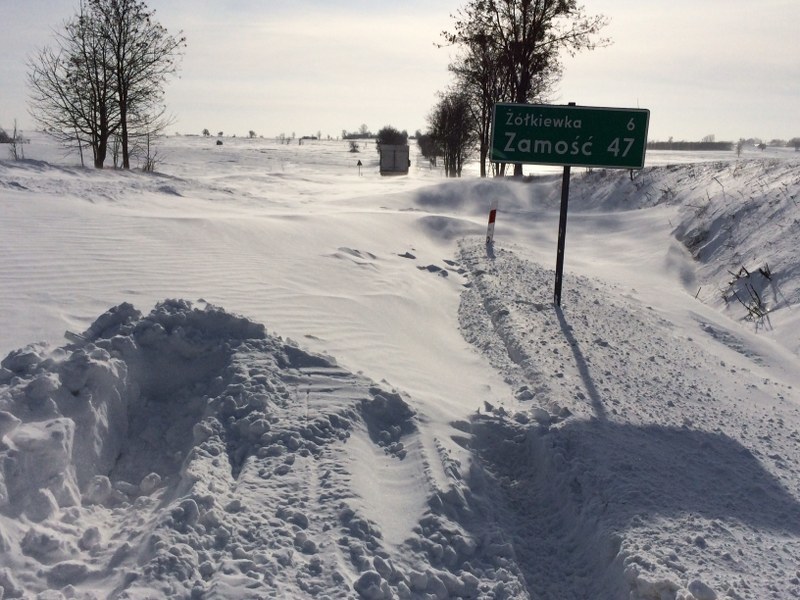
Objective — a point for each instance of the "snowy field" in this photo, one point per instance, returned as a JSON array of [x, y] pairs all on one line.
[[260, 373]]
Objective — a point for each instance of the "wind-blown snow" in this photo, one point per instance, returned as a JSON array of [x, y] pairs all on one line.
[[283, 379]]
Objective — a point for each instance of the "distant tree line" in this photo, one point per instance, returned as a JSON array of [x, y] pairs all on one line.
[[792, 143], [363, 133], [102, 84], [706, 145], [774, 143]]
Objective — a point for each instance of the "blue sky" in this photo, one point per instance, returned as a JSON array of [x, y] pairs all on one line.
[[728, 68]]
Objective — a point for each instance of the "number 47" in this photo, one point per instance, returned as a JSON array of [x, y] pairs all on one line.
[[613, 148]]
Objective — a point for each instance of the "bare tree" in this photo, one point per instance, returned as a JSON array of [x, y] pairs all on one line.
[[72, 91], [144, 55], [485, 80], [104, 78], [428, 148], [512, 49], [451, 132], [147, 127], [15, 142]]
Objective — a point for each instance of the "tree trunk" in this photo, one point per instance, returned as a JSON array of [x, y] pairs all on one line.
[[101, 140], [123, 133], [100, 153], [523, 89], [80, 147]]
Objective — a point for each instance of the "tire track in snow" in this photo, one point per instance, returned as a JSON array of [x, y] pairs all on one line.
[[533, 505]]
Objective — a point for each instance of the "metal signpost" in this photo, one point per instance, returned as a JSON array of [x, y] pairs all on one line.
[[579, 136]]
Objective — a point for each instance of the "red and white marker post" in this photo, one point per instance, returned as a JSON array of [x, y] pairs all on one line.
[[492, 217]]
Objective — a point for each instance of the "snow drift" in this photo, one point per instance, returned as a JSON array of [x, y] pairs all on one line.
[[441, 429]]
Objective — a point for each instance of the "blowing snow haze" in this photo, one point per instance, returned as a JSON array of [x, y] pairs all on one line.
[[285, 378]]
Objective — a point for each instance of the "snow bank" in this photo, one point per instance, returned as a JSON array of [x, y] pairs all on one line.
[[739, 220], [188, 453]]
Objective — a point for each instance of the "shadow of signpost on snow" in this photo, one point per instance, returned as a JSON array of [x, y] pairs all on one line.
[[670, 471], [583, 366], [561, 497]]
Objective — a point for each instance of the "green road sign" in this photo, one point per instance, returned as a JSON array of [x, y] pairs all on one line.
[[578, 136]]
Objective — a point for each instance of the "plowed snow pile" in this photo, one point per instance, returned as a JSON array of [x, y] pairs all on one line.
[[423, 422]]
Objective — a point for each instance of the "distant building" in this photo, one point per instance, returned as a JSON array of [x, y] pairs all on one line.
[[394, 160]]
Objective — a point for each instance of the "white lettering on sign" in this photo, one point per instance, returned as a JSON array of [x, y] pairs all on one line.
[[532, 120], [561, 147], [614, 148]]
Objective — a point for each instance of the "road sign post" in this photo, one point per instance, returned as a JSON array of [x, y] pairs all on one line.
[[568, 136], [562, 236]]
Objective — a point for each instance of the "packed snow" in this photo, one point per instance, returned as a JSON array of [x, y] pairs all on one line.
[[264, 373]]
